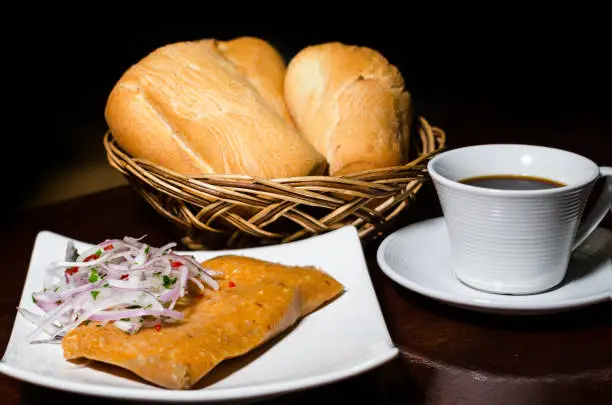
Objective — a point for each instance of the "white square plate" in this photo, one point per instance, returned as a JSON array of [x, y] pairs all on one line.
[[342, 339]]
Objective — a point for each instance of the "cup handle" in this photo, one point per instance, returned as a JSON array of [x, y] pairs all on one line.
[[601, 208]]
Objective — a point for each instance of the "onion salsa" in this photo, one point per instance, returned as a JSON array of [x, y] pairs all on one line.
[[123, 281]]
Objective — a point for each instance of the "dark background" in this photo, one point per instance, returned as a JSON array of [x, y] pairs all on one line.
[[540, 80]]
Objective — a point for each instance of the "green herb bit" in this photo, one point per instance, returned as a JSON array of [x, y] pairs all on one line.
[[86, 322], [98, 326], [134, 307], [99, 253], [125, 319], [147, 250], [149, 306], [33, 299], [169, 281], [94, 294], [106, 285], [94, 276]]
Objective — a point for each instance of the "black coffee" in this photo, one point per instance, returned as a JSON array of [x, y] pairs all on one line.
[[512, 182]]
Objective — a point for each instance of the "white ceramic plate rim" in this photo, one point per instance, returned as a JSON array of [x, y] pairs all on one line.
[[197, 395], [500, 302], [384, 351]]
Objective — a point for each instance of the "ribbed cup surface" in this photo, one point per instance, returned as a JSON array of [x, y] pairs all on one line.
[[512, 245]]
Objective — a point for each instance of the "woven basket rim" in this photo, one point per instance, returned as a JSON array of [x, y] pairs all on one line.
[[368, 199]]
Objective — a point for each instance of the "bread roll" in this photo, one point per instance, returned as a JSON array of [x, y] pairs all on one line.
[[262, 65], [188, 107], [350, 103]]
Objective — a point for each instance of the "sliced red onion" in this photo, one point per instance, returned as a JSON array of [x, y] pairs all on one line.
[[134, 313], [129, 327], [104, 303], [202, 273], [47, 320], [126, 267], [134, 285], [64, 295], [170, 295], [136, 242], [110, 242], [130, 273], [46, 300], [83, 255], [210, 272], [91, 263], [104, 252], [164, 249], [143, 298], [183, 278], [55, 340], [141, 256], [173, 302], [211, 282], [197, 282]]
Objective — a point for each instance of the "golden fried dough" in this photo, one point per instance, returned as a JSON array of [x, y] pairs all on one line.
[[256, 301]]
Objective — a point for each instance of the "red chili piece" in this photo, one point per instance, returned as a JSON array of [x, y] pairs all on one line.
[[124, 277], [71, 270], [232, 284], [158, 327], [91, 257], [108, 247], [177, 264]]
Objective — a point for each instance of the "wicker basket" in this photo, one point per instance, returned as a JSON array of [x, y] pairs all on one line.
[[233, 211]]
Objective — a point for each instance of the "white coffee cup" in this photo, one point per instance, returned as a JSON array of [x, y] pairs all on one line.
[[516, 241]]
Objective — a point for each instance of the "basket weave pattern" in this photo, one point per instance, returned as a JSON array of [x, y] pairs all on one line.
[[231, 211]]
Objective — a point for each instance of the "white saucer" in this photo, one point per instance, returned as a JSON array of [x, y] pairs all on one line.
[[418, 258]]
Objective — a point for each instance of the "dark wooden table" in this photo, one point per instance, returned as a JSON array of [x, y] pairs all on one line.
[[448, 355]]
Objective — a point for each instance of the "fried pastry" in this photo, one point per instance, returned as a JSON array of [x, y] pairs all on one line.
[[256, 301]]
